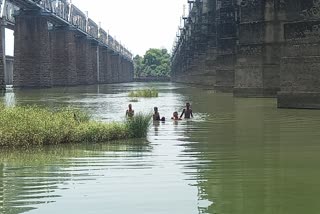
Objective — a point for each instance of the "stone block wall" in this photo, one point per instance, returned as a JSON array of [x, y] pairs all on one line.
[[32, 51], [258, 55], [2, 65], [300, 76], [63, 58]]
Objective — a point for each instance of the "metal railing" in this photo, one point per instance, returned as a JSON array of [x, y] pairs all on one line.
[[64, 11]]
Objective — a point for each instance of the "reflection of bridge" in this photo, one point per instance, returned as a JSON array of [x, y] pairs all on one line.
[[255, 48], [58, 45]]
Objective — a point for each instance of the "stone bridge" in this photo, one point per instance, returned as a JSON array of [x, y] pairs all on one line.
[[56, 44], [254, 48]]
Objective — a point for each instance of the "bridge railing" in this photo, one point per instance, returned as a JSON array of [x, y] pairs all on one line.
[[69, 13]]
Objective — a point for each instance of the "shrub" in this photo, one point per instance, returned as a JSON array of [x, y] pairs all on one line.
[[151, 92], [138, 125]]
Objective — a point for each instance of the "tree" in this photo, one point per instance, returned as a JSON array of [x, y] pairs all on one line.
[[155, 63]]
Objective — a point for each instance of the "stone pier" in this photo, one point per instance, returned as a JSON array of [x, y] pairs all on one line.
[[300, 62], [63, 60], [2, 56], [32, 50], [227, 15], [257, 71]]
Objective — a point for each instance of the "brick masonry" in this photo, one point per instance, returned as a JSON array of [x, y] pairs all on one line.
[[32, 51], [2, 67], [63, 58]]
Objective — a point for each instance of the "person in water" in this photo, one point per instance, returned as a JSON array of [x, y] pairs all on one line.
[[156, 115], [187, 112], [130, 111], [175, 116]]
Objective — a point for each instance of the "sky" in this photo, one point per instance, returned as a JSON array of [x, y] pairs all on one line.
[[137, 24]]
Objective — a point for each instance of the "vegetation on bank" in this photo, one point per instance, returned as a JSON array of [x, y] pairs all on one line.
[[150, 92], [155, 63], [32, 125]]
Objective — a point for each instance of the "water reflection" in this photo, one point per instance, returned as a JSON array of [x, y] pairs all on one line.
[[235, 156], [41, 175]]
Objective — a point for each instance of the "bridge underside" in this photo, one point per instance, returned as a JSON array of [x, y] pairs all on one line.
[[253, 48]]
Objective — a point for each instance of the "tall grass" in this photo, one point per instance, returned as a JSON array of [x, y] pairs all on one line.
[[138, 125], [32, 125], [150, 92]]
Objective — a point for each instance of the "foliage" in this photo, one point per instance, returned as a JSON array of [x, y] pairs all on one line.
[[138, 125], [32, 125], [150, 92], [155, 63]]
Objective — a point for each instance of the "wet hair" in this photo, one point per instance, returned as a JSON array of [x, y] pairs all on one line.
[[155, 108], [163, 119]]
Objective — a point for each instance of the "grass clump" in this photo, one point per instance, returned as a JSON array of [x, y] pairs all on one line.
[[138, 125], [150, 92], [32, 125]]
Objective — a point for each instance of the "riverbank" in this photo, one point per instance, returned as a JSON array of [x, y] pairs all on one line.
[[32, 125]]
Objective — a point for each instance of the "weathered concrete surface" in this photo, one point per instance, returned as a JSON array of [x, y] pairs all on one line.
[[257, 71], [63, 58], [194, 63], [300, 76], [2, 65], [32, 51], [226, 16]]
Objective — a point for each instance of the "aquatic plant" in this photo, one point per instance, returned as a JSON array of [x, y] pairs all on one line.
[[134, 100], [33, 125], [138, 125], [150, 92]]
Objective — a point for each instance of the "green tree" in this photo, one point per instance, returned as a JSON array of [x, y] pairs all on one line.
[[155, 63], [138, 65]]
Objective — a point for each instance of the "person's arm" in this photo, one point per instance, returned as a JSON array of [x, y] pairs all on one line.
[[182, 113], [191, 113], [127, 113]]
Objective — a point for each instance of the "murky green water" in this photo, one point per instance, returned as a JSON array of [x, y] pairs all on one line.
[[237, 156]]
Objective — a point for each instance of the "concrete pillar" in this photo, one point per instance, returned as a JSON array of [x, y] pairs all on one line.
[[2, 56], [300, 62], [92, 66], [115, 67], [258, 57], [86, 60], [81, 59], [32, 54], [226, 44], [64, 60]]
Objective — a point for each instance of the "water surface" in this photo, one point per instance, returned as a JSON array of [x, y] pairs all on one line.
[[236, 156]]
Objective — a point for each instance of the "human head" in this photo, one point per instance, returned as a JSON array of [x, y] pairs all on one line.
[[155, 109], [130, 106], [175, 114], [188, 105]]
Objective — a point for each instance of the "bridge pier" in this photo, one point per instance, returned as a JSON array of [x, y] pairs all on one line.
[[226, 45], [86, 60], [2, 56], [115, 68], [63, 60], [103, 64], [300, 62], [32, 58], [258, 59]]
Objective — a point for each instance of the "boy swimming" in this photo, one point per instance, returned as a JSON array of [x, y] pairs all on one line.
[[187, 112]]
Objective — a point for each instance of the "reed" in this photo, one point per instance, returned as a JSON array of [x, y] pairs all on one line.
[[150, 92], [33, 125], [138, 125]]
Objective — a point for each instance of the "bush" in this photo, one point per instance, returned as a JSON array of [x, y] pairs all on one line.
[[151, 92], [138, 125], [32, 125]]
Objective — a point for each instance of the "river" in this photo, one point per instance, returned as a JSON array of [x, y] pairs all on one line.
[[237, 156]]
